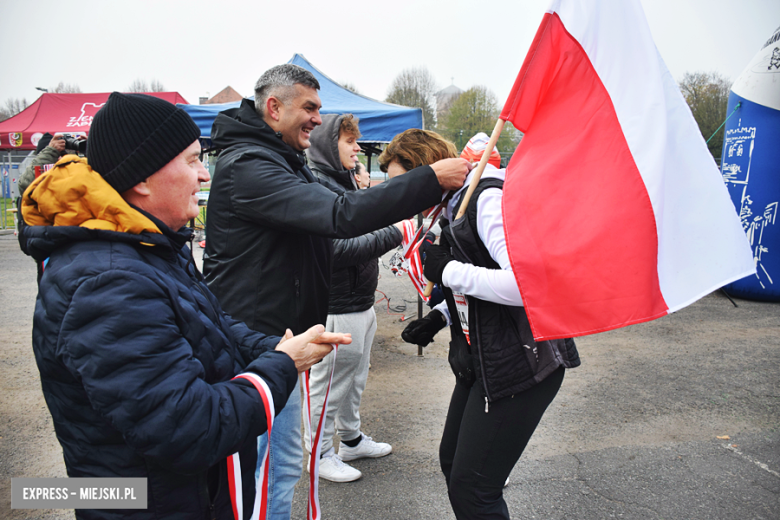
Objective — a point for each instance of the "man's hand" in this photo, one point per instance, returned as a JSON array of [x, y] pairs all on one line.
[[451, 173], [308, 348], [58, 143]]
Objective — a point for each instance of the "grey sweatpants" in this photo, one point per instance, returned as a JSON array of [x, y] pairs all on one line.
[[349, 379]]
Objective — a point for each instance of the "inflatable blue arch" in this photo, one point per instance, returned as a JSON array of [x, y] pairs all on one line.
[[751, 168]]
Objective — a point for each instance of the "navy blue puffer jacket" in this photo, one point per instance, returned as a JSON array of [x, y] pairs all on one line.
[[136, 359]]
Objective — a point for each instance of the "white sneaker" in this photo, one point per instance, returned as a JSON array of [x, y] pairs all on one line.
[[367, 448], [332, 468]]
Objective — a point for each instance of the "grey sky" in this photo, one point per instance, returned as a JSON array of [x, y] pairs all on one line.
[[198, 47]]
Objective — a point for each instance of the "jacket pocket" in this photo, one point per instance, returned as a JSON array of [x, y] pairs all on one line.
[[460, 359]]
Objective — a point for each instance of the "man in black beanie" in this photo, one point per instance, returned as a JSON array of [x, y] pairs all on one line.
[[143, 372]]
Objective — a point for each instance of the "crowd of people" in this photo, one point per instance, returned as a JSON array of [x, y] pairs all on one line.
[[152, 369]]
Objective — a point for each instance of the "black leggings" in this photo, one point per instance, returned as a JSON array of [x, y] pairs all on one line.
[[478, 450]]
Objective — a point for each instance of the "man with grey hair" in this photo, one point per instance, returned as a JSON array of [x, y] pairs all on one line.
[[270, 223], [278, 81]]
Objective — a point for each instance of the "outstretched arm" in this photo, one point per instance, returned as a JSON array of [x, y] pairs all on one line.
[[279, 199], [353, 251]]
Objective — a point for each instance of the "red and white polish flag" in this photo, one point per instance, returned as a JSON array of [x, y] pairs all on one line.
[[615, 213]]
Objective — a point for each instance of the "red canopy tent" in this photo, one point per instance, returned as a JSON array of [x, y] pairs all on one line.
[[63, 113]]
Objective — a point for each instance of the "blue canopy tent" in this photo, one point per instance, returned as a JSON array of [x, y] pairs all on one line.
[[379, 122]]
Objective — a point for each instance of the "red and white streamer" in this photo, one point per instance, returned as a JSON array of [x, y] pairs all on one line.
[[260, 511], [314, 512], [234, 463], [412, 263]]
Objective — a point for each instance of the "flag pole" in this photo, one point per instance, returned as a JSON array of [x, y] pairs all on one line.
[[475, 180]]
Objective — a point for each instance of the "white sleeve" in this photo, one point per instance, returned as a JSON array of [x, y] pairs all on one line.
[[442, 308], [493, 285]]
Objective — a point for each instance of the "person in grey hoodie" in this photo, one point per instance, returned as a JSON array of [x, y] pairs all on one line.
[[333, 158]]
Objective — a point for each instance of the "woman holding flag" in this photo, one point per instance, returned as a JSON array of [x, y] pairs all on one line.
[[504, 380]]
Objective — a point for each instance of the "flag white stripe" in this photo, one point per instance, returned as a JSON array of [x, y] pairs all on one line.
[[701, 244], [239, 499]]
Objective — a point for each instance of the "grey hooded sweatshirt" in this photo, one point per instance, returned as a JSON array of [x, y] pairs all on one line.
[[355, 265]]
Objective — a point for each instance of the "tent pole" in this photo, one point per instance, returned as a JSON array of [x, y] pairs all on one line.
[[728, 296], [5, 203], [427, 292], [419, 298]]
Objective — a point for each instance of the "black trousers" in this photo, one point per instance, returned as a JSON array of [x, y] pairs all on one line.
[[478, 450]]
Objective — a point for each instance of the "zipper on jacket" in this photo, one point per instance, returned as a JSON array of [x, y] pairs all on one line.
[[297, 287], [481, 361], [476, 318]]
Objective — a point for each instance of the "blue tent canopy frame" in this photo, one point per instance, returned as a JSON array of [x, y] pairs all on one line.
[[379, 122]]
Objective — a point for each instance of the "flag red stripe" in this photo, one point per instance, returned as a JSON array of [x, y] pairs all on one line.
[[573, 186], [512, 110]]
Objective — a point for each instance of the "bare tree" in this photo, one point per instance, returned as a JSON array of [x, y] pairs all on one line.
[[66, 88], [12, 107], [707, 95], [138, 85], [415, 87], [349, 86]]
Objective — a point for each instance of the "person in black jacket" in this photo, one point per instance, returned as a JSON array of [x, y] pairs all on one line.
[[138, 361], [332, 158], [269, 253]]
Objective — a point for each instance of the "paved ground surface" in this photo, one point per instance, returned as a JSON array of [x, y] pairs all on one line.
[[634, 432]]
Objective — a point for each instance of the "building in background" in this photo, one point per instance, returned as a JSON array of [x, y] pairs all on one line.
[[226, 95]]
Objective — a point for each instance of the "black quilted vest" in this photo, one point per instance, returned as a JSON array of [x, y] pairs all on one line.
[[503, 357]]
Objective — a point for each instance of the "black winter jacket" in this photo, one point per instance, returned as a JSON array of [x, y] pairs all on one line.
[[355, 260], [269, 254], [136, 359]]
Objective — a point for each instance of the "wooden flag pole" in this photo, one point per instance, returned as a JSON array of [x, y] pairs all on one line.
[[475, 180]]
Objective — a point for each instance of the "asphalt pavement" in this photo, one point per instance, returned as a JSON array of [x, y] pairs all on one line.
[[678, 418]]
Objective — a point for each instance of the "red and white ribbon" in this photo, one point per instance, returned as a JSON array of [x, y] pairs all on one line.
[[234, 463], [412, 264], [314, 512], [260, 511]]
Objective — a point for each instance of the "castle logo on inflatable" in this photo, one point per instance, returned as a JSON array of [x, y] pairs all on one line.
[[751, 167]]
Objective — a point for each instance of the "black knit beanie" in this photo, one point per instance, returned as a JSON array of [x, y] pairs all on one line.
[[135, 135], [43, 142]]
